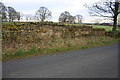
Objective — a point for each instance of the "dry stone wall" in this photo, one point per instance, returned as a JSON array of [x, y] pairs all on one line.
[[33, 32]]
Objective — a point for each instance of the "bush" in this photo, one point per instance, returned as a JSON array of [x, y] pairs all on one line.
[[114, 34]]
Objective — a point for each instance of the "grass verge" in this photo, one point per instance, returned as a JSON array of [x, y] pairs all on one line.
[[59, 45]]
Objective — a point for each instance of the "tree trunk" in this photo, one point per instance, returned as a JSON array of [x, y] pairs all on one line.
[[115, 16], [115, 23]]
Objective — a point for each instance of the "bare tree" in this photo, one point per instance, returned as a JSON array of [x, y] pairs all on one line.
[[18, 15], [3, 15], [21, 15], [12, 14], [64, 17], [36, 18], [108, 8], [43, 13], [79, 18], [71, 19]]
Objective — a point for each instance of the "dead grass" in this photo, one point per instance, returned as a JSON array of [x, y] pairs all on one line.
[[18, 50]]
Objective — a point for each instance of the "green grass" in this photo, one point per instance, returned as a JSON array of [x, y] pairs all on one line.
[[107, 28]]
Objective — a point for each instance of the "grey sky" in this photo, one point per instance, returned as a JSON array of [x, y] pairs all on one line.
[[55, 6]]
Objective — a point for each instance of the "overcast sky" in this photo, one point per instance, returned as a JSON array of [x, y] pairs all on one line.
[[55, 6]]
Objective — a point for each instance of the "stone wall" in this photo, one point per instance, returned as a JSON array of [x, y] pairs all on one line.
[[37, 32]]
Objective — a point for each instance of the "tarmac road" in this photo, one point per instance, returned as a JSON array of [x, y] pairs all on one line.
[[97, 62]]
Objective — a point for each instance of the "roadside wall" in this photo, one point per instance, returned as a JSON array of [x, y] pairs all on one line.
[[33, 32]]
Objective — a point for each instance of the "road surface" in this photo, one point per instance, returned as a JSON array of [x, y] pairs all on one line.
[[98, 62]]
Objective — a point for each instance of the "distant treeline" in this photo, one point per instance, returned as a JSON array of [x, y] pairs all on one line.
[[8, 13]]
